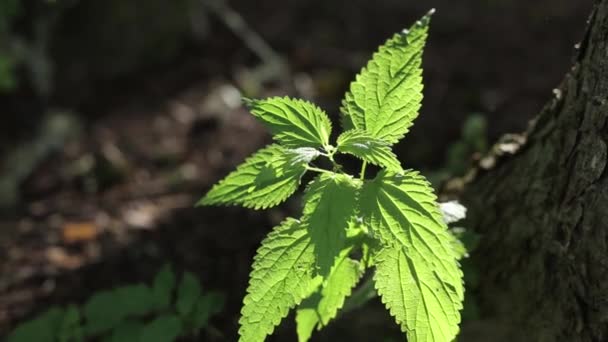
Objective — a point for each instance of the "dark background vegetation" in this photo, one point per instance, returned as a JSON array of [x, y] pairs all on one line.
[[117, 115]]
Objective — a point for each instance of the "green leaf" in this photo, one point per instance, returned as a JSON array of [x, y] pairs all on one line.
[[464, 241], [307, 318], [282, 276], [363, 145], [43, 328], [417, 273], [458, 247], [128, 331], [330, 200], [134, 300], [103, 312], [107, 309], [162, 287], [264, 180], [385, 97], [320, 308], [207, 305], [188, 293], [165, 328], [294, 123], [71, 329]]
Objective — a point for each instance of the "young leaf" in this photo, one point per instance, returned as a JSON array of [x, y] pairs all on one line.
[[126, 332], [102, 313], [206, 306], [70, 329], [385, 97], [107, 309], [282, 276], [188, 292], [320, 308], [162, 287], [165, 328], [134, 300], [264, 180], [43, 328], [417, 273], [294, 123], [330, 205], [363, 145]]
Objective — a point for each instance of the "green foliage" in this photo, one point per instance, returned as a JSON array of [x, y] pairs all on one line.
[[162, 287], [385, 97], [464, 241], [43, 328], [461, 153], [294, 123], [391, 222], [363, 145], [416, 249], [428, 309], [473, 140], [327, 222], [188, 292], [129, 313], [266, 179], [282, 275], [164, 328], [323, 305]]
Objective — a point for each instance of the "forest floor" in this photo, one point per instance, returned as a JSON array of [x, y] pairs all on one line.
[[114, 201]]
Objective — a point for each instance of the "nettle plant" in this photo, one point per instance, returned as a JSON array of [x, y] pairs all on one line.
[[390, 223], [133, 313]]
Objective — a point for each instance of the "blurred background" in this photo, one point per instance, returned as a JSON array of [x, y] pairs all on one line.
[[118, 115]]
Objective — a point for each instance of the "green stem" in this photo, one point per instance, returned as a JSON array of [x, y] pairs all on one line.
[[362, 174], [330, 155], [316, 169]]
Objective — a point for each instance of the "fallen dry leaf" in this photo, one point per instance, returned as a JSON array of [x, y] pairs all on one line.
[[74, 232]]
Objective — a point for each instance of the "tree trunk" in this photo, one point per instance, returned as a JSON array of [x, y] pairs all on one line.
[[543, 213]]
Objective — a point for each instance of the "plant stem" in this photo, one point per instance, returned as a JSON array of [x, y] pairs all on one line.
[[316, 169], [362, 174], [330, 155]]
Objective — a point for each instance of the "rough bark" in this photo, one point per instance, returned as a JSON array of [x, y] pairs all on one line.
[[543, 213]]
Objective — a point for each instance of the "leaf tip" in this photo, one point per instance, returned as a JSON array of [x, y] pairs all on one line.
[[248, 102], [422, 22], [202, 202], [426, 19]]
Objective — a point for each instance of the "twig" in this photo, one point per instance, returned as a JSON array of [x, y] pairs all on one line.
[[273, 64]]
